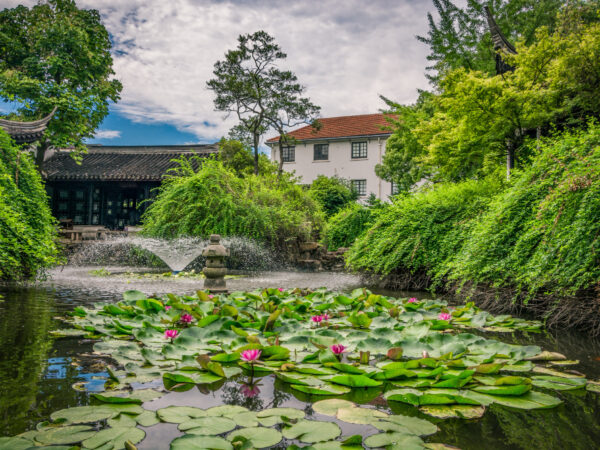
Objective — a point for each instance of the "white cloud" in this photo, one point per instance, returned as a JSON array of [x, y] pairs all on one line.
[[346, 53], [107, 134]]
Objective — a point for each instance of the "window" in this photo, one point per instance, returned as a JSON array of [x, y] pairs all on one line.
[[288, 154], [359, 150], [360, 186], [395, 188], [321, 152]]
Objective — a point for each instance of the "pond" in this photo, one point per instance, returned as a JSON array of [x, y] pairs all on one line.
[[41, 374]]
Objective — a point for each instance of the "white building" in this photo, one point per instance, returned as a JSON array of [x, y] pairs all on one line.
[[348, 147]]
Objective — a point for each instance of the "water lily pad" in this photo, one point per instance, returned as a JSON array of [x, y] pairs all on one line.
[[116, 437], [258, 437], [359, 415], [199, 442], [14, 443], [453, 411], [331, 406], [531, 400], [179, 414], [147, 419], [225, 410], [87, 414], [555, 373], [355, 381], [246, 419], [518, 389], [116, 400], [272, 416], [65, 435], [311, 431], [122, 420], [558, 383], [397, 440], [207, 425], [593, 386], [405, 424], [323, 389]]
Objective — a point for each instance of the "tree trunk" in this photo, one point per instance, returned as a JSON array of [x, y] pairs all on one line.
[[510, 158], [256, 140], [280, 165], [40, 152]]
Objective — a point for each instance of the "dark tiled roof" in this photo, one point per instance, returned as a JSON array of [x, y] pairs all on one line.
[[121, 163], [26, 132], [340, 127]]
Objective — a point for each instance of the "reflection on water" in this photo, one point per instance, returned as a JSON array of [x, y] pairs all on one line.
[[37, 372]]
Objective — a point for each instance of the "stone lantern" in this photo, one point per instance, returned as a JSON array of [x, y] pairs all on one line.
[[215, 269]]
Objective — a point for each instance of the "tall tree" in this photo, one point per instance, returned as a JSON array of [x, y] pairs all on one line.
[[249, 84], [56, 54], [460, 38]]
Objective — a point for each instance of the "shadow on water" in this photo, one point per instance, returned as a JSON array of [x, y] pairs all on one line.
[[37, 372]]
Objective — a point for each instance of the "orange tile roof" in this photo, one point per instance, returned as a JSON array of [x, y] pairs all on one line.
[[344, 126]]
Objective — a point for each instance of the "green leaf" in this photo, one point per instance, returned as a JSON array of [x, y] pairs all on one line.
[[132, 296], [14, 443], [273, 416], [65, 435], [179, 414], [359, 415], [259, 437], [453, 411], [405, 424], [116, 437], [147, 419], [207, 425], [106, 399], [323, 389], [355, 381], [88, 414], [310, 431], [518, 389], [399, 440], [558, 383], [199, 442], [330, 407]]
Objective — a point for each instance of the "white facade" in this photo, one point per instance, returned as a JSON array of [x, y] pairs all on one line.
[[340, 162]]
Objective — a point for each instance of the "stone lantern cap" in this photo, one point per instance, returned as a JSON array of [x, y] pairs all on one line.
[[215, 248]]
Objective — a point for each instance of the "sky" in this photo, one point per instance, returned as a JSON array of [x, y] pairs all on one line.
[[344, 52]]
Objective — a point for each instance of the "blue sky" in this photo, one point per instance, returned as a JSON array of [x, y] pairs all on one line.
[[345, 52]]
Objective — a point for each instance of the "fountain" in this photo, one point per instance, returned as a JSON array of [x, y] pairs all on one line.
[[215, 269], [176, 253]]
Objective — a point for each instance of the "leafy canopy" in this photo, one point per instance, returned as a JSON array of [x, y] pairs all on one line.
[[56, 54]]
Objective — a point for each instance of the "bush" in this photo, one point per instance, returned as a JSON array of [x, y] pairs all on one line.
[[215, 200], [27, 228], [422, 231], [542, 232], [332, 193], [346, 225]]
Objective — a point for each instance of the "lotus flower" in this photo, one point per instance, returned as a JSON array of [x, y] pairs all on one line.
[[338, 349], [167, 307], [444, 316], [250, 355], [211, 296], [412, 300], [280, 289], [317, 319], [250, 390], [325, 317], [425, 354], [186, 318], [171, 334]]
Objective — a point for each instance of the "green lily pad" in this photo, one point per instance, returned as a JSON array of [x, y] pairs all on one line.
[[14, 443], [558, 383], [225, 410], [245, 419], [405, 424], [87, 414], [65, 435], [272, 416], [199, 442], [518, 389], [593, 386], [311, 431], [531, 400], [359, 415], [179, 414], [331, 406], [117, 400], [116, 437], [258, 437], [355, 381], [147, 419], [395, 440], [323, 389], [207, 425], [122, 420], [453, 411]]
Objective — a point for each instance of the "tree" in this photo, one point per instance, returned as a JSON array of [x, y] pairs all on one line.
[[460, 38], [55, 54], [249, 84], [332, 193]]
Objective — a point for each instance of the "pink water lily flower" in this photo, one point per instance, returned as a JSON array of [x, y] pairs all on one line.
[[167, 307], [338, 349], [186, 318], [325, 317], [317, 319], [249, 390], [444, 316], [412, 300], [171, 334], [211, 296], [250, 355], [280, 289]]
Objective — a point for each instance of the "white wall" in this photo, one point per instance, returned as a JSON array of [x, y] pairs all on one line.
[[340, 163]]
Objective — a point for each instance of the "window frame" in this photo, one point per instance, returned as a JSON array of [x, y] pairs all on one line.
[[394, 189], [323, 155], [361, 192], [290, 151], [358, 153]]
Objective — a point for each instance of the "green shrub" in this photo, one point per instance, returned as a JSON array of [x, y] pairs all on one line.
[[346, 225], [422, 231], [332, 193], [543, 231], [27, 228], [215, 200]]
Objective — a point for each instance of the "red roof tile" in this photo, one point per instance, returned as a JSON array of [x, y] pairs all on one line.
[[339, 127]]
